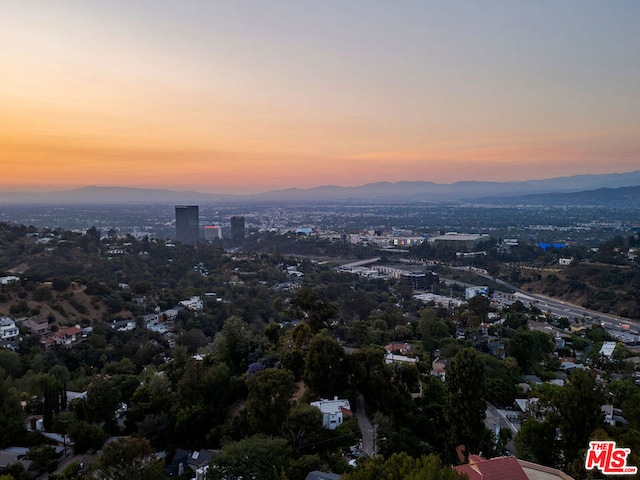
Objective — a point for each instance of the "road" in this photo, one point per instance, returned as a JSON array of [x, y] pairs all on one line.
[[496, 421], [556, 307], [365, 427]]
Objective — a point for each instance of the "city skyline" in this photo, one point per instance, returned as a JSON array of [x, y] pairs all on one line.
[[253, 97]]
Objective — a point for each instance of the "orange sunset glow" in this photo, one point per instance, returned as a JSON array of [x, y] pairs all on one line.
[[249, 97]]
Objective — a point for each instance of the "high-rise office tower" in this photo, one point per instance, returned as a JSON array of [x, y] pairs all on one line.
[[187, 223], [237, 230]]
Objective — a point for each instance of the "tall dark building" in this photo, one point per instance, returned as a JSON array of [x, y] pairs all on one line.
[[237, 230], [187, 223]]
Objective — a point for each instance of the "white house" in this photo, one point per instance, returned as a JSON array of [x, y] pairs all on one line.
[[607, 349], [194, 303], [8, 329], [9, 279], [333, 411]]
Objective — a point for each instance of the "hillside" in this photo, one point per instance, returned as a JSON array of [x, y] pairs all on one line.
[[70, 306], [601, 287]]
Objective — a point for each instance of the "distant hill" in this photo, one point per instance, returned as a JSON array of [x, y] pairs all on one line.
[[112, 195], [382, 192], [610, 197]]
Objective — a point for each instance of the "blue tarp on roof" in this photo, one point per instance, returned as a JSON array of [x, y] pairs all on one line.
[[545, 246]]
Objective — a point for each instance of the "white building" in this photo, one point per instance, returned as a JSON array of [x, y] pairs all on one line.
[[607, 349], [9, 279], [393, 358], [194, 303], [439, 300], [471, 292], [333, 411], [8, 329]]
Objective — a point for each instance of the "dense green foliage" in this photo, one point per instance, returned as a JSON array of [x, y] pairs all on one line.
[[239, 374]]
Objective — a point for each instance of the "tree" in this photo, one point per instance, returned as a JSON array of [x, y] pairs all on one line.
[[302, 420], [480, 306], [293, 347], [150, 398], [72, 471], [43, 458], [129, 459], [579, 412], [11, 414], [466, 406], [86, 436], [232, 345], [50, 389], [269, 399], [537, 442], [10, 362], [60, 283], [529, 347], [102, 399], [255, 457], [324, 371]]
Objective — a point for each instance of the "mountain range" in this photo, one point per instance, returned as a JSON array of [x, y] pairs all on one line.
[[616, 188]]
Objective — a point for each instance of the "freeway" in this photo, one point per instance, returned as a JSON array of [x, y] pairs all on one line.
[[558, 308]]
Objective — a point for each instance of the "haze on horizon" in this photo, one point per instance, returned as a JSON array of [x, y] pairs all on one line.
[[252, 96]]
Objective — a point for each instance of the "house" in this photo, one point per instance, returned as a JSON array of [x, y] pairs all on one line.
[[392, 358], [71, 396], [197, 460], [533, 379], [560, 342], [8, 329], [536, 471], [398, 347], [178, 464], [124, 325], [497, 349], [568, 366], [13, 455], [613, 416], [67, 335], [151, 321], [37, 325], [9, 279], [499, 468], [194, 303], [438, 367], [483, 329], [608, 349], [333, 411]]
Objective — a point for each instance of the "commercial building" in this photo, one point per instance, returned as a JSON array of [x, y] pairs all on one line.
[[187, 223], [212, 232], [237, 230], [461, 242], [471, 292]]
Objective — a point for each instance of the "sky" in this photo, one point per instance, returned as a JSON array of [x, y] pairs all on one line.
[[255, 95]]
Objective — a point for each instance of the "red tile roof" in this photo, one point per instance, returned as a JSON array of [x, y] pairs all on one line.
[[500, 468]]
